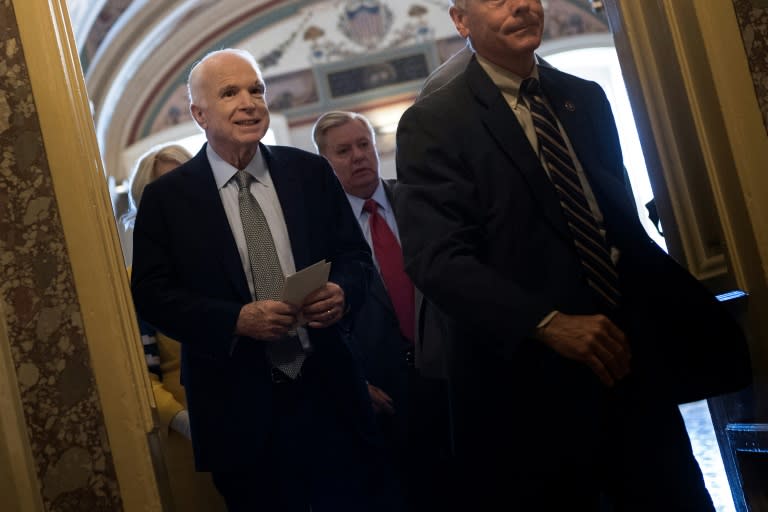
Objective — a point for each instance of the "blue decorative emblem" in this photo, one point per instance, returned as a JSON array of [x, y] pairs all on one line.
[[365, 22]]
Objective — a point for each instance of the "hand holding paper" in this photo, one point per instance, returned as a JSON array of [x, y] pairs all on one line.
[[266, 319], [300, 284], [325, 306], [322, 302]]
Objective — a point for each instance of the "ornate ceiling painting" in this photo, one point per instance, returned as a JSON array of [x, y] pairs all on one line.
[[315, 54]]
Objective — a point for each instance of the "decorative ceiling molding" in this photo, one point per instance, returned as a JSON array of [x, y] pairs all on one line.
[[137, 71]]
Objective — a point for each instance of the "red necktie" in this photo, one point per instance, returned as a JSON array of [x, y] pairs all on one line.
[[390, 259]]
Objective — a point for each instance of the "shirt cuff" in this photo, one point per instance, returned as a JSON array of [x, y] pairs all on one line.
[[545, 321]]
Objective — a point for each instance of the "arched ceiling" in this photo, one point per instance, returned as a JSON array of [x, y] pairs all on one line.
[[136, 53]]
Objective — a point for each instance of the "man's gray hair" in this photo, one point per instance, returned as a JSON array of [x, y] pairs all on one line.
[[333, 119]]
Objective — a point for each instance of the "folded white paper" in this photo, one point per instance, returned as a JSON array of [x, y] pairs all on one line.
[[300, 284]]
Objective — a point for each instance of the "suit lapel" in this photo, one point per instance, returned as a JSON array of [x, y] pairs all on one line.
[[379, 292], [377, 289], [289, 192], [573, 116], [213, 226], [505, 129], [388, 191]]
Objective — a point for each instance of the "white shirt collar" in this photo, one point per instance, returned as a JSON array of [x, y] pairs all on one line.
[[507, 81], [223, 171], [379, 195]]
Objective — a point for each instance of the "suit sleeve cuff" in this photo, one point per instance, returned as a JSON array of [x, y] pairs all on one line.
[[545, 321]]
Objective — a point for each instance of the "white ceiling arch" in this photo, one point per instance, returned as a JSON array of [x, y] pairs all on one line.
[[137, 53], [151, 42]]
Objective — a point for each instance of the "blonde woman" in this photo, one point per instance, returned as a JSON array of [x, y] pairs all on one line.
[[191, 491], [151, 165]]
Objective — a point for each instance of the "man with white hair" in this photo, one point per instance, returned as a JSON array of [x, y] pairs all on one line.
[[279, 412]]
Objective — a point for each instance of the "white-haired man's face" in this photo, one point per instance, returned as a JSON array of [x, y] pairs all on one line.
[[229, 105]]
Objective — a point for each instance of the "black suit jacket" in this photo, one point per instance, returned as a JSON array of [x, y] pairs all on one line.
[[485, 240], [189, 282]]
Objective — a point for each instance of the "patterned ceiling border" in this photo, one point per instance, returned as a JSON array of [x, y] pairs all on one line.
[[167, 102]]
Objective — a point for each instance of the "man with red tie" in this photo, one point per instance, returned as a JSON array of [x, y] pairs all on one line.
[[409, 402]]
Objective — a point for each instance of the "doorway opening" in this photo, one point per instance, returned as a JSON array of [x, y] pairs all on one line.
[[593, 57]]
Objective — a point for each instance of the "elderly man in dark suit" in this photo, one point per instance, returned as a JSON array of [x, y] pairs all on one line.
[[391, 334], [573, 337], [278, 409]]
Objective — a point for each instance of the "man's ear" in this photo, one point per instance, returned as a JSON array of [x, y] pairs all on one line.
[[457, 15], [198, 115]]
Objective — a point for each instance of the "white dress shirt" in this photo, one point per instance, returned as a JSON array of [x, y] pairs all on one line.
[[264, 192]]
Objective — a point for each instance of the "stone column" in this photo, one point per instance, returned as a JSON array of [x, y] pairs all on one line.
[[76, 424]]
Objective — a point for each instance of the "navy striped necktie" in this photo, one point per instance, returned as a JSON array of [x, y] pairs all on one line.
[[591, 245]]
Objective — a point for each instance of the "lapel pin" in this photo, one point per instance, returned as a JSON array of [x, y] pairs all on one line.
[[569, 106]]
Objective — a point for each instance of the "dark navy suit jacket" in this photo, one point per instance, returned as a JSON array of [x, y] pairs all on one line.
[[188, 281], [485, 240]]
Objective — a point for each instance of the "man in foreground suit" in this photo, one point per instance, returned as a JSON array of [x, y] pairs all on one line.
[[388, 334], [446, 71], [279, 413], [453, 67], [573, 336]]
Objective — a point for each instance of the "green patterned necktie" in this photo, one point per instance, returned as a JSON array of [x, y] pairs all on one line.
[[286, 354]]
